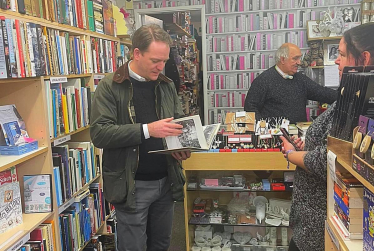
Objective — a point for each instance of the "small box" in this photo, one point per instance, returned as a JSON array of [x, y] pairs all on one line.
[[207, 234], [18, 150], [277, 187], [265, 185]]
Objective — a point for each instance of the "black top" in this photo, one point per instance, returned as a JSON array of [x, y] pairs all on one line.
[[270, 95], [150, 166]]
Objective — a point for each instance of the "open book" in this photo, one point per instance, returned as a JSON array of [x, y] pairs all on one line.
[[194, 137]]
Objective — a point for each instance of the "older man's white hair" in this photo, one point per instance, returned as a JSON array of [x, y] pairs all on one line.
[[282, 51]]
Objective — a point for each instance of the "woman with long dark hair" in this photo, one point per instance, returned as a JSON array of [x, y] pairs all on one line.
[[309, 207]]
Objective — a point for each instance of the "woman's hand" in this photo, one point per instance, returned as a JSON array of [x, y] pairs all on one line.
[[286, 146], [300, 144]]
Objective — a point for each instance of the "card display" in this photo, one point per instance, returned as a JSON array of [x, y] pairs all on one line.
[[37, 193], [356, 97]]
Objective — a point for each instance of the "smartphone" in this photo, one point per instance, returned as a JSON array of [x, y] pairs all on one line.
[[289, 139]]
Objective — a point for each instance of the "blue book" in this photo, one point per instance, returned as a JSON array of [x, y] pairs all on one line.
[[59, 53], [368, 216], [13, 133], [54, 112], [56, 173]]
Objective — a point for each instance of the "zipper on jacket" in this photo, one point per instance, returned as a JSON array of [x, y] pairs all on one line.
[[130, 113]]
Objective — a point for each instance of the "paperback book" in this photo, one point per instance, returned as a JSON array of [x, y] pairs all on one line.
[[194, 136], [37, 193]]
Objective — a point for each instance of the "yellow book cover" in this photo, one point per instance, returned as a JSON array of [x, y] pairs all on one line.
[[51, 224], [65, 112]]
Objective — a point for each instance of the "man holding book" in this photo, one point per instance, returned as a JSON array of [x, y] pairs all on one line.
[[282, 91], [131, 115]]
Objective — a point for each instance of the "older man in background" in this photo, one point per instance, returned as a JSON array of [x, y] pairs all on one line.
[[282, 91]]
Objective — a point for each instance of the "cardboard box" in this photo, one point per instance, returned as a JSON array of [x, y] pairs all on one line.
[[240, 122]]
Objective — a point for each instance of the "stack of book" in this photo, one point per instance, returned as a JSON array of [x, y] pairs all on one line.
[[348, 206], [82, 220], [74, 166], [69, 106]]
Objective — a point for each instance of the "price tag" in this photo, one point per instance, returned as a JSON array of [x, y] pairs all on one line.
[[67, 204], [239, 114], [331, 157], [19, 243], [61, 140], [332, 235], [99, 76], [55, 80]]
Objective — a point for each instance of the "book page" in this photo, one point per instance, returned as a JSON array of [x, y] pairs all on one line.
[[210, 132], [192, 134]]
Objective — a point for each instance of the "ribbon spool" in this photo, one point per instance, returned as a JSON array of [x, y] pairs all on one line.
[[365, 144]]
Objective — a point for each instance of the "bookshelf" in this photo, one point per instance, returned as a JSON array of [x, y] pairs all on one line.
[[333, 236], [241, 44], [29, 94]]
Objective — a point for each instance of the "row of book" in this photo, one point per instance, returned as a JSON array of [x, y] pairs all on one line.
[[240, 81], [254, 42], [68, 106], [30, 50], [240, 62], [82, 219], [262, 21], [227, 99], [348, 205], [42, 238], [227, 6], [93, 15], [74, 165]]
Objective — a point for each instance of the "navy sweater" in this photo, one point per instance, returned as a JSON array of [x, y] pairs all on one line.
[[271, 95]]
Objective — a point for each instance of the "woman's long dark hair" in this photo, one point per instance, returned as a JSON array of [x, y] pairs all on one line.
[[358, 40]]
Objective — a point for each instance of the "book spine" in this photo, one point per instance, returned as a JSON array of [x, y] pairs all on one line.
[[3, 63]]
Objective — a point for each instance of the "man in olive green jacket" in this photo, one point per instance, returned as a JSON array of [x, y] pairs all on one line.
[[131, 114]]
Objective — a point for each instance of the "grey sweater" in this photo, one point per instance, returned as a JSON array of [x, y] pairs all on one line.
[[271, 95], [308, 210]]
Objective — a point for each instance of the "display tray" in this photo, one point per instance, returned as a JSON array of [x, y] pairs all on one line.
[[233, 189], [193, 222]]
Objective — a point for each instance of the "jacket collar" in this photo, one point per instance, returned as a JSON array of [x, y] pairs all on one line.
[[122, 74]]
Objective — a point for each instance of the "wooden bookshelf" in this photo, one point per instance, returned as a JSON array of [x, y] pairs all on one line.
[[7, 161], [62, 27], [85, 75], [344, 245], [14, 235], [70, 133]]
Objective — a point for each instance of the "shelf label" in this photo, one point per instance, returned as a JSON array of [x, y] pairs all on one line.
[[332, 235], [99, 76], [331, 158], [61, 140], [19, 243], [67, 204], [55, 80]]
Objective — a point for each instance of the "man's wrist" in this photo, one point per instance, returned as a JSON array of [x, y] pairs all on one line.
[[145, 131]]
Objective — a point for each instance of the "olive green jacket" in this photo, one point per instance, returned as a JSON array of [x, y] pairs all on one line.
[[113, 128]]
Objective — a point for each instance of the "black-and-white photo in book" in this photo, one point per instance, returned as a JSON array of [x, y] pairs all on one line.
[[194, 136]]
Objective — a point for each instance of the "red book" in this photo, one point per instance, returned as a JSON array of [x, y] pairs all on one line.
[[20, 51], [78, 8], [113, 56]]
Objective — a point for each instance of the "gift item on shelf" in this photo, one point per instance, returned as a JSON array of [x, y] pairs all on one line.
[[356, 89]]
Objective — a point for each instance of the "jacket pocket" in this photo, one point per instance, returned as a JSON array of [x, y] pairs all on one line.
[[115, 186]]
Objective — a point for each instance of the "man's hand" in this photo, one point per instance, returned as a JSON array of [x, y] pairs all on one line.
[[181, 155], [163, 128]]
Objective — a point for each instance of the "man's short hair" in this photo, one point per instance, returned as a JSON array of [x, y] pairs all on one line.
[[282, 51], [146, 34]]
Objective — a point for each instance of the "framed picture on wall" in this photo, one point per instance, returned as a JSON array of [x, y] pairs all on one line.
[[330, 51], [313, 30]]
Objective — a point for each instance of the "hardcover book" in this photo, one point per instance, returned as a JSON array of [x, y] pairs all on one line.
[[194, 137]]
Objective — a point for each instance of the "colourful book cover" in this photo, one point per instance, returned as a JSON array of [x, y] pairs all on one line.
[[368, 231], [10, 206], [37, 193]]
